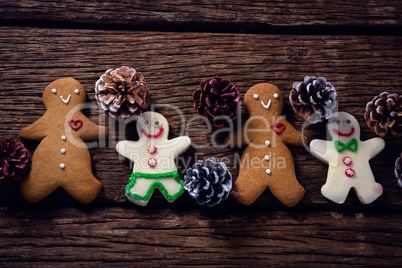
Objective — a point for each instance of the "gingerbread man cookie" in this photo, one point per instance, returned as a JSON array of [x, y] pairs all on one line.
[[62, 158], [153, 156], [266, 162], [348, 158]]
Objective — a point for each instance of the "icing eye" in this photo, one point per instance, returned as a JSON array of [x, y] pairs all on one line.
[[338, 122], [76, 91], [276, 95], [255, 96], [156, 123], [146, 122], [54, 91], [348, 122]]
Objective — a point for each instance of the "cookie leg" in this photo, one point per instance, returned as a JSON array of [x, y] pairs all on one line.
[[37, 186], [83, 189], [171, 189], [248, 187], [140, 190], [368, 192], [285, 187], [336, 190]]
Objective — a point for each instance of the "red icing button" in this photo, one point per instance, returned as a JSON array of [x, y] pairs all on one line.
[[152, 149], [347, 160], [349, 172], [152, 162]]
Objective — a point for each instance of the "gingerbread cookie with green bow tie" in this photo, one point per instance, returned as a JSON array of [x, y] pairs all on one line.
[[348, 159]]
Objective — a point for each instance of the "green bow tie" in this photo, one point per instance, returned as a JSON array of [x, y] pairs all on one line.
[[340, 147]]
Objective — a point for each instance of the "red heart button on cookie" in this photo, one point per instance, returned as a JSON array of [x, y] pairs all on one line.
[[75, 124], [277, 127]]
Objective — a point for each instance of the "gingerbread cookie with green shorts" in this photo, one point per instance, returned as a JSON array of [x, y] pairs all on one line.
[[153, 156]]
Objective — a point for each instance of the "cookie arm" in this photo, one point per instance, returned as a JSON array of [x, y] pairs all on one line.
[[319, 149], [36, 131], [127, 149], [290, 135], [91, 131], [375, 146], [179, 144]]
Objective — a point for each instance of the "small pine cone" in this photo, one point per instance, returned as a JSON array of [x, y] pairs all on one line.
[[384, 115], [14, 161], [208, 183], [122, 92], [215, 99], [398, 170], [313, 99]]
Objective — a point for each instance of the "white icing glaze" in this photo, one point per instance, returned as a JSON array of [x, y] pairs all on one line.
[[62, 165], [266, 157], [266, 106], [67, 100], [276, 95], [63, 138], [267, 143], [54, 91], [76, 91], [255, 96], [63, 151], [139, 152], [268, 171], [344, 127]]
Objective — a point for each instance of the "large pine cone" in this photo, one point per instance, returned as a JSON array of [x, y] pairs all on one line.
[[122, 92], [398, 170], [384, 115], [13, 161], [208, 183], [313, 99], [215, 99]]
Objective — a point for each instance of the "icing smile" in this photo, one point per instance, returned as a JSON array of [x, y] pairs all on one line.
[[337, 132], [152, 136], [67, 100], [266, 106]]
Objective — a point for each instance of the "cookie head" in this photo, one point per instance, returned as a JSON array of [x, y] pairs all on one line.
[[343, 126], [152, 125], [64, 94], [263, 99]]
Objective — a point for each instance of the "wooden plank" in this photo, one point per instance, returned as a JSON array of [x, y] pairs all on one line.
[[224, 14], [116, 235], [174, 63]]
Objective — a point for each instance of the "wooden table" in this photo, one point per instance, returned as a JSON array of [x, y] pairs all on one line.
[[356, 45]]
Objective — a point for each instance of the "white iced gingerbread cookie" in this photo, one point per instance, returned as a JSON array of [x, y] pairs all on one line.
[[348, 158], [153, 156]]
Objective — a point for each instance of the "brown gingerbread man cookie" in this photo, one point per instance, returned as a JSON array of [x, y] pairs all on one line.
[[62, 159], [266, 162]]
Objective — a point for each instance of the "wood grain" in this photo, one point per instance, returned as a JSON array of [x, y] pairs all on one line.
[[50, 236], [173, 64], [224, 15]]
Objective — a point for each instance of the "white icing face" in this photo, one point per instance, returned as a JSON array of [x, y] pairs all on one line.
[[268, 105], [152, 125], [343, 126]]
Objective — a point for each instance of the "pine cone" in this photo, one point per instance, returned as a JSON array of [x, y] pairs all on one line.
[[122, 91], [313, 99], [215, 99], [208, 183], [398, 170], [13, 161], [384, 115]]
